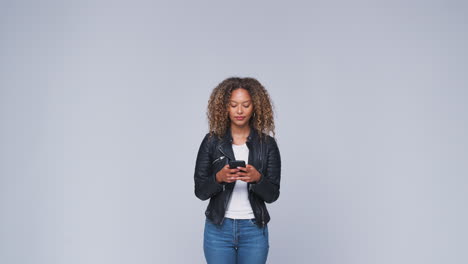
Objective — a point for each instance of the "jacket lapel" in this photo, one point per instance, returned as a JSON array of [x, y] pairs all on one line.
[[225, 146]]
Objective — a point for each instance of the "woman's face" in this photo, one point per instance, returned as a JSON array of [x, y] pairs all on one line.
[[240, 107]]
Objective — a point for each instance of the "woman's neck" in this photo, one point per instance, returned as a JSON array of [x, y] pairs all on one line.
[[239, 134]]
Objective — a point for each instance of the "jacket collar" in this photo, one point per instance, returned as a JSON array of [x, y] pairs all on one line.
[[226, 143], [228, 135]]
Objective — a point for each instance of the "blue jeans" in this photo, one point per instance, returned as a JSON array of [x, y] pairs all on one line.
[[237, 241]]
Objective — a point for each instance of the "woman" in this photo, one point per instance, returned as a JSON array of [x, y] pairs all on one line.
[[240, 118]]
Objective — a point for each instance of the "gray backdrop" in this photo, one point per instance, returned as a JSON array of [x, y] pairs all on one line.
[[102, 111]]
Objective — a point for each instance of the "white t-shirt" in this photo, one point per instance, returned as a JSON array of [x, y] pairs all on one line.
[[239, 205]]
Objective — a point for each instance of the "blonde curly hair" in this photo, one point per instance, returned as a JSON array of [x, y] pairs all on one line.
[[218, 116]]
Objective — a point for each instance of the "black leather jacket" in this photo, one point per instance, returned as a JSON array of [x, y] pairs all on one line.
[[214, 154]]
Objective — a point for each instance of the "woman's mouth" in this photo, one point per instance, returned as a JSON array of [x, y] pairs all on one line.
[[239, 117]]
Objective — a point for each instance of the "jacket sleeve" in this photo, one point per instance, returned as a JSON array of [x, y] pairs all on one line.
[[205, 179], [268, 188]]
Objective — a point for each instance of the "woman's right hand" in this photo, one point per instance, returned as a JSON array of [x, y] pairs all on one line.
[[226, 174]]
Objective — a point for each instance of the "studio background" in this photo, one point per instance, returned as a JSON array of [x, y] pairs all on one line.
[[103, 108]]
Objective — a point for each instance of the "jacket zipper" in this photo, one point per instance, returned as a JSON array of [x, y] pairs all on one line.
[[229, 196], [261, 209], [263, 218], [219, 147], [220, 158], [263, 221], [225, 205]]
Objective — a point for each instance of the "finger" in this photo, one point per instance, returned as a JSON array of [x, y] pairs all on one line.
[[241, 174], [245, 178]]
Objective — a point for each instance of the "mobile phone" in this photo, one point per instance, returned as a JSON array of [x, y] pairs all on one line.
[[233, 164]]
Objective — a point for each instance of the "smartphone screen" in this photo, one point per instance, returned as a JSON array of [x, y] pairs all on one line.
[[236, 163]]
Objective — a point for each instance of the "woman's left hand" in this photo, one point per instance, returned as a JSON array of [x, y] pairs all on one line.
[[248, 174]]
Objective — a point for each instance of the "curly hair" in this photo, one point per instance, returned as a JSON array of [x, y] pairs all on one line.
[[218, 116]]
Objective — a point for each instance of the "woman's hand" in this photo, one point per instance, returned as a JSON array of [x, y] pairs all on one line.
[[248, 174], [227, 175]]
